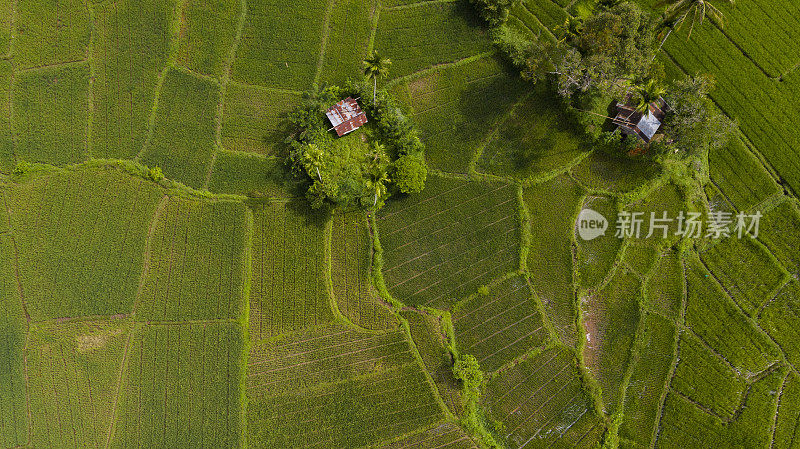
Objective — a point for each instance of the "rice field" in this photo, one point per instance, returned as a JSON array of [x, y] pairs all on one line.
[[13, 403], [251, 121]]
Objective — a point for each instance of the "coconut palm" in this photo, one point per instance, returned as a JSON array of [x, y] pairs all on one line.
[[570, 30], [376, 66], [696, 11], [648, 93]]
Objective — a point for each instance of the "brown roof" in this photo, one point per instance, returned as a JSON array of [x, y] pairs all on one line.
[[346, 116], [633, 122]]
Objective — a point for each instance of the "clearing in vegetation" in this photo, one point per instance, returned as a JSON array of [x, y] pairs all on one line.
[[440, 245]]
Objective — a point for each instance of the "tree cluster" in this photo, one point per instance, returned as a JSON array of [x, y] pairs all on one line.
[[494, 12], [360, 170]]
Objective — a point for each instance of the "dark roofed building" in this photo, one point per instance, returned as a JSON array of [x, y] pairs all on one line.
[[633, 122], [346, 116]]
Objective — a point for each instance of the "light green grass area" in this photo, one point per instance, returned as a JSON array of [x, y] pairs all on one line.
[[786, 429], [501, 326], [349, 413], [779, 230], [252, 175], [287, 290], [609, 319], [51, 114], [781, 320], [348, 31], [706, 378], [444, 435], [280, 44], [440, 245], [651, 361], [685, 425], [51, 32], [596, 257], [665, 288], [184, 132], [351, 273], [126, 72], [13, 401], [614, 173], [746, 270], [536, 138], [542, 403], [553, 207], [6, 137], [254, 118], [73, 369], [666, 198], [740, 175], [197, 262], [323, 354], [715, 318], [81, 239], [429, 33], [456, 107], [189, 379], [207, 35]]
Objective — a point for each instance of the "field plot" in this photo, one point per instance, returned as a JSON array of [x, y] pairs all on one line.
[[13, 409], [667, 198], [6, 137], [714, 317], [323, 354], [455, 107], [740, 175], [252, 175], [614, 173], [287, 289], [188, 378], [431, 342], [51, 32], [429, 33], [523, 21], [184, 129], [535, 138], [596, 257], [781, 320], [51, 114], [706, 378], [442, 244], [445, 435], [348, 31], [665, 288], [73, 370], [780, 232], [639, 257], [126, 72], [652, 361], [280, 44], [684, 425], [253, 118], [746, 271], [500, 327], [351, 413], [610, 318], [542, 403], [198, 257], [351, 273], [549, 13], [207, 35], [553, 208], [81, 237], [6, 27], [788, 417]]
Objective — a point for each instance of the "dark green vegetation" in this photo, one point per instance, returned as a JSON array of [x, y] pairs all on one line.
[[199, 301]]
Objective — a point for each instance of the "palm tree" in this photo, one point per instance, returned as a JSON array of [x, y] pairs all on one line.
[[570, 30], [648, 93], [376, 66], [696, 11]]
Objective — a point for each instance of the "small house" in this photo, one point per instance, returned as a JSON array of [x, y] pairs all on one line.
[[346, 116], [643, 125]]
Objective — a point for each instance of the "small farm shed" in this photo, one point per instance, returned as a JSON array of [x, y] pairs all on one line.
[[346, 116], [633, 122]]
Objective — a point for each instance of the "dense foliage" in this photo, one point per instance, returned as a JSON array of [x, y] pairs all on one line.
[[364, 167], [494, 12]]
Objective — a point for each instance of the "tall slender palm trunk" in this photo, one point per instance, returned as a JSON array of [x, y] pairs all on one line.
[[374, 89]]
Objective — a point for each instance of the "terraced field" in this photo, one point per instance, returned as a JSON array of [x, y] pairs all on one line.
[[205, 304]]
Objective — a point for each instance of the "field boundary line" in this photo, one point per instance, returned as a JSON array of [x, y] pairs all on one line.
[[539, 21], [162, 204], [418, 4], [121, 377], [774, 424], [419, 362], [440, 66], [223, 89], [495, 130], [56, 65], [377, 6], [323, 46], [92, 76]]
